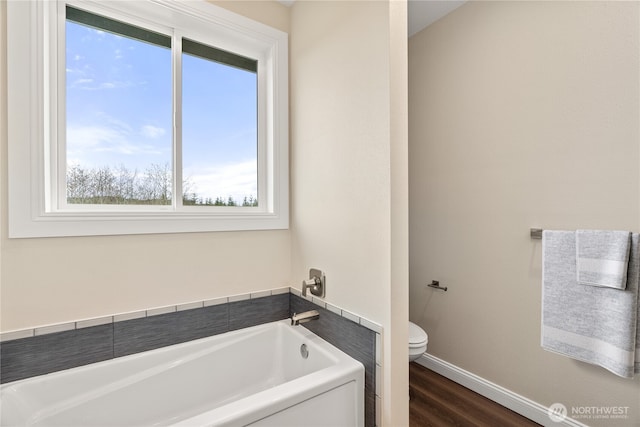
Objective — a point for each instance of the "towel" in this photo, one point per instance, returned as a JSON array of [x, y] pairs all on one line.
[[633, 278], [596, 325], [602, 257]]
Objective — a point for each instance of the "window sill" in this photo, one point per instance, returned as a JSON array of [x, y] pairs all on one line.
[[98, 224]]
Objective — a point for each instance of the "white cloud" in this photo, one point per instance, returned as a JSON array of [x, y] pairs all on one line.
[[114, 85], [238, 180], [80, 82], [91, 84], [87, 141], [96, 138], [152, 132]]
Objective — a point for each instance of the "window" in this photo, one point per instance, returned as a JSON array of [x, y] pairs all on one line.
[[224, 83], [115, 142], [144, 118]]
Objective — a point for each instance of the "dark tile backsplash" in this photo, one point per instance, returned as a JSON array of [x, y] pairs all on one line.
[[42, 354], [148, 333], [252, 312], [352, 338]]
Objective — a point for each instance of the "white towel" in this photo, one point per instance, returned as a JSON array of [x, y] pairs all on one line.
[[602, 257], [593, 324]]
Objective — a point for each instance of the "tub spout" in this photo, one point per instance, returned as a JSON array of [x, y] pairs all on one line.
[[296, 319]]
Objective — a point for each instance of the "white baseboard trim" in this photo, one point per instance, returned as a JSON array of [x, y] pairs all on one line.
[[523, 406]]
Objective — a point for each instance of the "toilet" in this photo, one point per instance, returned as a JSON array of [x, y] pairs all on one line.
[[417, 341]]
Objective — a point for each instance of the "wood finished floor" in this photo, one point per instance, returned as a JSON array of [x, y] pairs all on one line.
[[437, 401]]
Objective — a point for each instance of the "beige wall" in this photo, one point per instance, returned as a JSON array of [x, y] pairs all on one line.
[[345, 142], [522, 114], [270, 13], [54, 280]]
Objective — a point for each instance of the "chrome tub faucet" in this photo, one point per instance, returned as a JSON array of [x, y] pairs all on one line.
[[306, 316]]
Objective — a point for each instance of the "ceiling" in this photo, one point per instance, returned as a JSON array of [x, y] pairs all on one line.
[[421, 13]]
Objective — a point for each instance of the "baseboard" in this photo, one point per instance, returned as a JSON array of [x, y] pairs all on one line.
[[523, 406]]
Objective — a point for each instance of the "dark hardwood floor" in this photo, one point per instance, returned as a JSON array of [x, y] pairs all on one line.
[[437, 401]]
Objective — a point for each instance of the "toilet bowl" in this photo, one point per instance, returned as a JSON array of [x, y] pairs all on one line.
[[417, 341]]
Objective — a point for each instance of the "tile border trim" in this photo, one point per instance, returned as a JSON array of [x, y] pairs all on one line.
[[39, 331], [373, 326], [121, 317]]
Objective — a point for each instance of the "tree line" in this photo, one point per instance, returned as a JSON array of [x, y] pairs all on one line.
[[122, 186]]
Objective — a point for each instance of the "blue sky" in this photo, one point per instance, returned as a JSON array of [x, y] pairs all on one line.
[[119, 112]]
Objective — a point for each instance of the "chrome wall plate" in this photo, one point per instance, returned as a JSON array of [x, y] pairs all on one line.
[[319, 289]]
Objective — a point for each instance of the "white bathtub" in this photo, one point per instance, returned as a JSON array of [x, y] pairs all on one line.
[[254, 376]]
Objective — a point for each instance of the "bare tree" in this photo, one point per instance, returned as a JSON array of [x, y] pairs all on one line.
[[158, 185], [103, 185], [126, 182], [78, 185], [119, 185]]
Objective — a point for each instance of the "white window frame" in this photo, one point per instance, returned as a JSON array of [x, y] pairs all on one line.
[[34, 79]]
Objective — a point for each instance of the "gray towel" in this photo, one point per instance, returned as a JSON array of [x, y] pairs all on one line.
[[597, 325], [633, 279], [602, 257]]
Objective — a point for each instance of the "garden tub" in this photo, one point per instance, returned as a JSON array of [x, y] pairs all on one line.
[[268, 375]]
